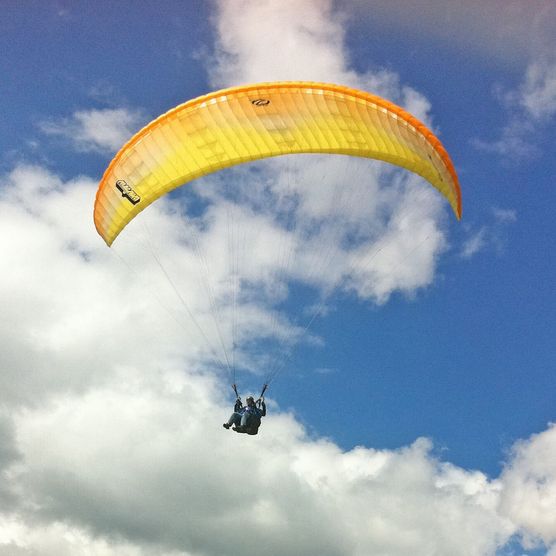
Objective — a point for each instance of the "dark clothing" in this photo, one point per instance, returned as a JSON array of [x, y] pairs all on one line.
[[247, 419]]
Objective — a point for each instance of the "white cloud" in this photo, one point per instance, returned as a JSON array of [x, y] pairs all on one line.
[[142, 465], [530, 107], [528, 495], [18, 538], [127, 465], [474, 244], [115, 443], [538, 93], [491, 236], [148, 464], [63, 288], [505, 216], [266, 41], [103, 130], [404, 256], [280, 41], [295, 40], [514, 142]]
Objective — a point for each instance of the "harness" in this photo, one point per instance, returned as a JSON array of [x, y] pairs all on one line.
[[238, 405], [254, 421]]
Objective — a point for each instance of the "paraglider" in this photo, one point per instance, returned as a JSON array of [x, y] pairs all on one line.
[[252, 122]]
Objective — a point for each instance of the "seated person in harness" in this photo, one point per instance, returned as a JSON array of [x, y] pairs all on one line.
[[247, 419]]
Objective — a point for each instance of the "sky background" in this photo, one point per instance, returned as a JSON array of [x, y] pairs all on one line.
[[414, 416]]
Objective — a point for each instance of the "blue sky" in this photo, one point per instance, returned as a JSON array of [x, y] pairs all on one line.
[[428, 382]]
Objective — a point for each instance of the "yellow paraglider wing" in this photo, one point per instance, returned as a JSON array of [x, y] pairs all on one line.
[[243, 124]]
